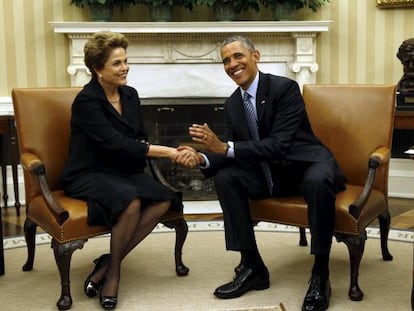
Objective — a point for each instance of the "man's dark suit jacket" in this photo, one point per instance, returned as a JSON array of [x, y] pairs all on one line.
[[284, 129]]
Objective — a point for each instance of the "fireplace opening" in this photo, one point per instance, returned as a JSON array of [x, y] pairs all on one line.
[[401, 141], [167, 121]]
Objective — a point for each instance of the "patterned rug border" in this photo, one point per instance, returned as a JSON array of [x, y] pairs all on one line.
[[217, 225]]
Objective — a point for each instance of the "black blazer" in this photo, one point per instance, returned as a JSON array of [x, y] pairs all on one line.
[[283, 125], [101, 139]]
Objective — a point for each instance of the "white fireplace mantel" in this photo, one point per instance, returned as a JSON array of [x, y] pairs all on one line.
[[182, 59], [192, 27]]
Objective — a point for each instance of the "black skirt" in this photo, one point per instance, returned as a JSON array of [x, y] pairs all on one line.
[[108, 194]]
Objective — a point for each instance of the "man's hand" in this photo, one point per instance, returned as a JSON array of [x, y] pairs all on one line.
[[204, 135], [187, 157]]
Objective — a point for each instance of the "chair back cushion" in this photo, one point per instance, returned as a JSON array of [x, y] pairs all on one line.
[[353, 121], [42, 118]]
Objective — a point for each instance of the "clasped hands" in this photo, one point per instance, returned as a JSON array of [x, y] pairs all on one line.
[[186, 156], [202, 134]]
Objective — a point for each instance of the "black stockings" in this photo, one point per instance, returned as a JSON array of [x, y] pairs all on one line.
[[132, 227]]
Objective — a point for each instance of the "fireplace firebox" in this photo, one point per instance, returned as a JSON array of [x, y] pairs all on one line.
[[167, 121]]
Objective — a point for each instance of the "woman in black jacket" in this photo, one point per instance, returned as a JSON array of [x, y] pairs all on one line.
[[107, 156]]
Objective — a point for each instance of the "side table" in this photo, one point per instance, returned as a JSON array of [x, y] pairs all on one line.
[[404, 120], [1, 245], [411, 155], [9, 153]]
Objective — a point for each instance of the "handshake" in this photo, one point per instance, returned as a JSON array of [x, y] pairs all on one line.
[[188, 157], [203, 135]]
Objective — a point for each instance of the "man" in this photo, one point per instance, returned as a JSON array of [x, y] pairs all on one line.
[[278, 156]]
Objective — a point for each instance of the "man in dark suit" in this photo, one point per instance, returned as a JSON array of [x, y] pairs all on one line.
[[279, 155]]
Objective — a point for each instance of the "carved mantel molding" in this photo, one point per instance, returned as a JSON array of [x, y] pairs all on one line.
[[190, 52]]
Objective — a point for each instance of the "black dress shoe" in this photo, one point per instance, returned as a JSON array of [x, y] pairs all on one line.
[[91, 288], [318, 294], [246, 280]]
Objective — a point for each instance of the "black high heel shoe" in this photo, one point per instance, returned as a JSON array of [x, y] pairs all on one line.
[[108, 303], [91, 288]]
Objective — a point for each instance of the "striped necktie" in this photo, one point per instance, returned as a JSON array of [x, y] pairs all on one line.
[[251, 117]]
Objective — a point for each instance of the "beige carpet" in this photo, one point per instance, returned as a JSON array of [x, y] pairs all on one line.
[[149, 282]]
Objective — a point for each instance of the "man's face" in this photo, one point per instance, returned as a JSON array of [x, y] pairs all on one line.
[[239, 63]]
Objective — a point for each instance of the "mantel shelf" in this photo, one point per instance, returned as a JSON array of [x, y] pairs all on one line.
[[192, 27], [168, 56]]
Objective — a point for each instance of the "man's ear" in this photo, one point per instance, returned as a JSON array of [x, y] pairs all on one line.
[[256, 55]]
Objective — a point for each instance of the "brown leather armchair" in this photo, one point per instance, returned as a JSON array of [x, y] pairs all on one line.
[[356, 123], [43, 126]]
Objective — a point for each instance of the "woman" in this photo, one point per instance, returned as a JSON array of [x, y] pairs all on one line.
[[105, 167]]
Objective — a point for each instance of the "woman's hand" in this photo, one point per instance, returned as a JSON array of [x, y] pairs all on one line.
[[187, 157]]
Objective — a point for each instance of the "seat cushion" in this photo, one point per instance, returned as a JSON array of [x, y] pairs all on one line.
[[294, 211], [76, 226]]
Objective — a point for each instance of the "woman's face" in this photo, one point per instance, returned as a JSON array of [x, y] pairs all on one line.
[[115, 70]]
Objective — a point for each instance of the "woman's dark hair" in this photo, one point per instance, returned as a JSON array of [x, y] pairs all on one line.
[[98, 48]]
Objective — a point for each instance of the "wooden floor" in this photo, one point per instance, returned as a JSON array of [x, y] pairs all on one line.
[[402, 213], [402, 217]]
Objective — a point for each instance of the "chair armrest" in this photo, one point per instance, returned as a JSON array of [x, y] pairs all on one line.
[[31, 163], [156, 173], [379, 157]]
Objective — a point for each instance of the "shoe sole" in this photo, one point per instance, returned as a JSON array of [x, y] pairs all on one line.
[[256, 287], [323, 308]]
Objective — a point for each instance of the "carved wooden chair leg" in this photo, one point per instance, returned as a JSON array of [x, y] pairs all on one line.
[[356, 246], [30, 237], [384, 222], [4, 179], [16, 188], [181, 230], [63, 256], [302, 240]]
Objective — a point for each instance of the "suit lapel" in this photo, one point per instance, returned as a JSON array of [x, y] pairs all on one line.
[[237, 110], [125, 102], [129, 111], [237, 106]]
